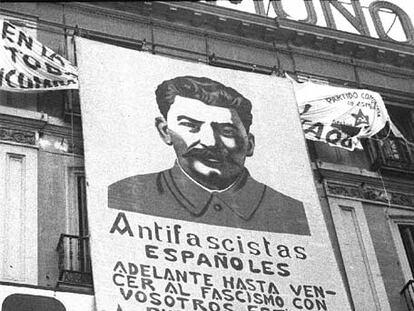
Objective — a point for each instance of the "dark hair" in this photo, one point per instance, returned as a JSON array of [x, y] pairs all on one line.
[[206, 90]]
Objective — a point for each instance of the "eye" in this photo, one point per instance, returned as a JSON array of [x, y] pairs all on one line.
[[193, 127], [228, 131]]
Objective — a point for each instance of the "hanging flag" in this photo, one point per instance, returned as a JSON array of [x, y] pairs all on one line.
[[341, 116], [26, 65]]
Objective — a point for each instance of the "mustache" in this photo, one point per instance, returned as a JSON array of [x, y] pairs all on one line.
[[205, 153]]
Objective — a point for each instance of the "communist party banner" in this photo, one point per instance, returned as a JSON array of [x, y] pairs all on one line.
[[26, 65], [200, 191], [341, 116]]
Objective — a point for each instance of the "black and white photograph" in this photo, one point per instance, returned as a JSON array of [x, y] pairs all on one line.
[[248, 155]]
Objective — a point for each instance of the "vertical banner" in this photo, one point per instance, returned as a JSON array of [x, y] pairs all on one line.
[[200, 191]]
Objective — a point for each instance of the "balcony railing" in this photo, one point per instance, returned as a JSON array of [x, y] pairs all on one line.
[[392, 154], [408, 293], [74, 261]]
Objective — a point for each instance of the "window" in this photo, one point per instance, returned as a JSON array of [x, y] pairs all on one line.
[[407, 236], [82, 211], [391, 153], [402, 229], [84, 251], [73, 247]]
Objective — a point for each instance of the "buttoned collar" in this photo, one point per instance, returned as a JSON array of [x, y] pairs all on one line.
[[200, 185], [243, 197]]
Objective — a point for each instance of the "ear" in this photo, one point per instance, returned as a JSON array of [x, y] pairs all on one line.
[[251, 144], [162, 127]]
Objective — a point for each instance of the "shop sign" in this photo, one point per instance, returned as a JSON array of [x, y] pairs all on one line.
[[334, 12]]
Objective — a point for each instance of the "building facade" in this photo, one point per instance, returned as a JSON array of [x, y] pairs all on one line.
[[367, 195]]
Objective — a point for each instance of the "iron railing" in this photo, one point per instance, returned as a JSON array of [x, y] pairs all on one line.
[[408, 293], [74, 261], [392, 154]]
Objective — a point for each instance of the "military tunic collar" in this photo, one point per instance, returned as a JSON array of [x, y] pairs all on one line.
[[243, 198]]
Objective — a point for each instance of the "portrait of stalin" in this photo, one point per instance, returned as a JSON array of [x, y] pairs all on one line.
[[208, 126]]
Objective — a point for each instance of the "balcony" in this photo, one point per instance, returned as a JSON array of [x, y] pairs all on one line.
[[75, 269], [392, 155], [408, 293]]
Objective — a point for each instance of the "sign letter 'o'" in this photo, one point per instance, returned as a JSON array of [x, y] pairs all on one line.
[[406, 24]]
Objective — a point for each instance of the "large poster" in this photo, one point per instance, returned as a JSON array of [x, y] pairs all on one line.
[[200, 191]]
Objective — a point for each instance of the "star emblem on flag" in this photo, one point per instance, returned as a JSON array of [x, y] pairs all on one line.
[[360, 118]]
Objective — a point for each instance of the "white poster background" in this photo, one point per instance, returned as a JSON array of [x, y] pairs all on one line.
[[118, 108]]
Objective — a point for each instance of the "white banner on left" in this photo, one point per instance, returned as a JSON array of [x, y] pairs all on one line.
[[26, 65]]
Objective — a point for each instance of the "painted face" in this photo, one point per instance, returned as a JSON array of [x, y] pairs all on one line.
[[211, 142]]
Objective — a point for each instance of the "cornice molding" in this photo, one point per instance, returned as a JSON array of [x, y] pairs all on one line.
[[36, 121], [223, 21], [369, 194], [18, 136], [282, 29], [341, 37], [364, 185], [15, 129]]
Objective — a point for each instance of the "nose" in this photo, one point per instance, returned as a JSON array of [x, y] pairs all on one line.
[[207, 136]]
